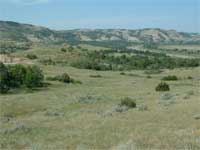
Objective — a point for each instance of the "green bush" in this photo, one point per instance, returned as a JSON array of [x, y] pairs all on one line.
[[63, 50], [63, 78], [31, 56], [47, 61], [122, 73], [17, 75], [162, 87], [128, 102], [170, 78], [33, 77], [95, 76], [4, 79]]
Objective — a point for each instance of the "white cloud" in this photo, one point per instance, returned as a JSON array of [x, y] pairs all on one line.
[[29, 2]]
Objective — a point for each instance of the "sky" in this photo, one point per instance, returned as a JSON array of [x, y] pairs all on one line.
[[181, 15]]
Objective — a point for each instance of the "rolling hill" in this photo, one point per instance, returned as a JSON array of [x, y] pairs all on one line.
[[25, 32]]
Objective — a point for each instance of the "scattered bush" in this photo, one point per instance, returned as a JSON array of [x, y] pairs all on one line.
[[63, 50], [17, 75], [170, 78], [149, 77], [4, 79], [122, 73], [197, 117], [48, 61], [189, 77], [33, 77], [71, 48], [95, 76], [63, 78], [162, 87], [31, 56], [130, 103]]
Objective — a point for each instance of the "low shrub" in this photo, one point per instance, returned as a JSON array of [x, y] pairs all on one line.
[[31, 56], [149, 77], [63, 50], [33, 77], [130, 103], [17, 75], [189, 77], [170, 78], [162, 87], [4, 79], [122, 73], [63, 78], [48, 61], [95, 76]]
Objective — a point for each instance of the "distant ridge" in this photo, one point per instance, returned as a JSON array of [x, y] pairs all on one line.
[[26, 32]]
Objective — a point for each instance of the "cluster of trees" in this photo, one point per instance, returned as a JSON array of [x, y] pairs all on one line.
[[108, 60], [16, 76], [9, 47]]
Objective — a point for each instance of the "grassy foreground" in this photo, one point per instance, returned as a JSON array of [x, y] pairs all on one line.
[[83, 116]]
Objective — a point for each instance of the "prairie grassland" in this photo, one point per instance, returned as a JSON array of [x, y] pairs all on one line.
[[84, 116]]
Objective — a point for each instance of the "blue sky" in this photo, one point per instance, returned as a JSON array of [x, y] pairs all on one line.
[[181, 15]]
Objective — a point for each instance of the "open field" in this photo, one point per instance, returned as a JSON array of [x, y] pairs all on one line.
[[84, 116]]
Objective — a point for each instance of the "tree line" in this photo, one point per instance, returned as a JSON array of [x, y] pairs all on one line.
[[108, 60]]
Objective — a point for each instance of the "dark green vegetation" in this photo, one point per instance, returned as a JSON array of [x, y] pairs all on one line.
[[170, 78], [65, 78], [4, 79], [16, 76], [128, 102], [131, 59], [10, 47], [31, 56], [162, 87]]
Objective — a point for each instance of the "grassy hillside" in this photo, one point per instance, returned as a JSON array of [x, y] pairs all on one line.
[[25, 32]]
